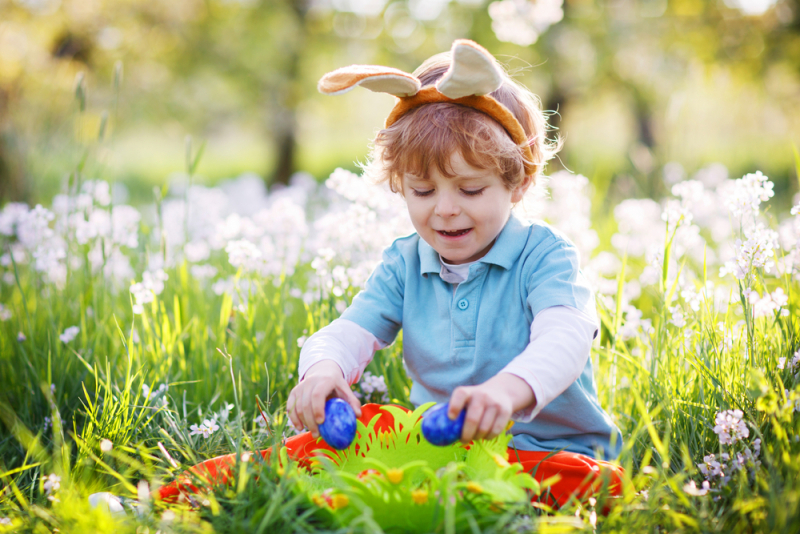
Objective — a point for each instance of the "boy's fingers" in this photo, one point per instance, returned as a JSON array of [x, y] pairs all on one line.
[[308, 411], [499, 426], [347, 394], [318, 398], [292, 414], [487, 422], [291, 409], [474, 414], [457, 401]]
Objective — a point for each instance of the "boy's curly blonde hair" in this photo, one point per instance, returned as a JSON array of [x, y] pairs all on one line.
[[432, 133]]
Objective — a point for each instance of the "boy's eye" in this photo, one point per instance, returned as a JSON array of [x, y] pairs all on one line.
[[418, 193], [473, 192]]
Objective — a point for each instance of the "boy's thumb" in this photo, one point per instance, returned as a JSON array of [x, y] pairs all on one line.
[[352, 400]]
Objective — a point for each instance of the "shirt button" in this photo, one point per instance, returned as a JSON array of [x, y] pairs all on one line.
[[463, 304]]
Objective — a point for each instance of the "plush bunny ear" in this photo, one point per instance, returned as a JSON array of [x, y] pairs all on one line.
[[373, 77], [473, 71]]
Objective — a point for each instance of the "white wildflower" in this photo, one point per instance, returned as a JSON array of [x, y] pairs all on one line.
[[52, 484], [102, 192], [692, 489], [125, 226], [154, 393], [145, 292], [729, 427], [10, 216], [197, 251], [141, 296], [69, 334], [756, 251], [569, 209], [203, 271], [33, 227], [770, 303], [693, 298], [106, 445], [260, 422], [689, 191], [745, 195], [792, 399], [154, 280], [795, 363], [226, 410], [634, 323], [208, 427], [676, 214], [373, 383], [242, 253], [710, 466], [678, 318]]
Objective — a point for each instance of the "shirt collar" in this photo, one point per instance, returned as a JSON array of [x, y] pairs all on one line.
[[504, 253]]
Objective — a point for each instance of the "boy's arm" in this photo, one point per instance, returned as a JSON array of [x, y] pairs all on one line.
[[330, 360], [344, 342], [374, 315], [560, 342]]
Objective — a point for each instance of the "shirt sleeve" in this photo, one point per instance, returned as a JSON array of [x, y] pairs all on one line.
[[378, 308], [343, 342], [554, 278], [560, 342]]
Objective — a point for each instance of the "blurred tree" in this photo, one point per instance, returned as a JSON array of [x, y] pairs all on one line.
[[204, 63], [645, 49]]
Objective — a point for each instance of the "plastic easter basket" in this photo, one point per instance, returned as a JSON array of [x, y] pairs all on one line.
[[400, 482]]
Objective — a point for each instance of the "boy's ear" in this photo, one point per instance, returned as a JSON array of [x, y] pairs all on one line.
[[519, 192]]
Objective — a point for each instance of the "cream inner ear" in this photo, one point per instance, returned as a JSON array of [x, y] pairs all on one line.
[[392, 84], [472, 72]]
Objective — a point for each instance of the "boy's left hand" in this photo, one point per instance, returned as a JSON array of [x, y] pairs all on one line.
[[490, 405]]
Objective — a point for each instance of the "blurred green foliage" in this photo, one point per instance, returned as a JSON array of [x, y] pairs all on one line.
[[636, 83]]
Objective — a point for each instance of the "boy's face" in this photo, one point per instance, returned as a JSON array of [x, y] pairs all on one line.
[[460, 217]]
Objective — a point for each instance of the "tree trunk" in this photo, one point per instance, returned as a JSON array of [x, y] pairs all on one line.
[[285, 145], [285, 124], [12, 187]]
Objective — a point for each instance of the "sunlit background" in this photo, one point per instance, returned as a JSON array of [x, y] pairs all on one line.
[[645, 90]]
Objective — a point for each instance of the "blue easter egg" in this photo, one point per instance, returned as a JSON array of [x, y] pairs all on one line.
[[339, 428], [440, 429]]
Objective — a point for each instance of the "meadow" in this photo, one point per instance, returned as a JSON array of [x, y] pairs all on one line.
[[137, 341]]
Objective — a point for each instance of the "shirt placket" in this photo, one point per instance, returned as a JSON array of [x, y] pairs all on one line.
[[464, 310]]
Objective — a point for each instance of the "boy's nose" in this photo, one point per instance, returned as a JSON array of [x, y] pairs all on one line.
[[446, 206]]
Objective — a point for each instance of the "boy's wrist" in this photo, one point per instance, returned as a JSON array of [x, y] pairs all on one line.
[[324, 368], [518, 390]]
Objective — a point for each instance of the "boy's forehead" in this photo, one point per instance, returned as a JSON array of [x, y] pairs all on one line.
[[455, 167]]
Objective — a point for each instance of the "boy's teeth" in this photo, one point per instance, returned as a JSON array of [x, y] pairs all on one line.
[[455, 232]]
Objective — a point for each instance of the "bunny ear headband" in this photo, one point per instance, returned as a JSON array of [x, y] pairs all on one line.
[[472, 75]]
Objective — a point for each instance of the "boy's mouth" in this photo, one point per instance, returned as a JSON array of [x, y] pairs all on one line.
[[454, 233]]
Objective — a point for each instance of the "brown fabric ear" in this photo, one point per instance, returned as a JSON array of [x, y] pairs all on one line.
[[373, 77], [473, 71]]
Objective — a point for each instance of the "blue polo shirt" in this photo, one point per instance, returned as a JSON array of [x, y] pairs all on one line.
[[466, 337]]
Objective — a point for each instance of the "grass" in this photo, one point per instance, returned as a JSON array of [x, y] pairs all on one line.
[[112, 409]]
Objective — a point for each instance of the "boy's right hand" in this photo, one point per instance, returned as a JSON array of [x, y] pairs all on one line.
[[306, 403]]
